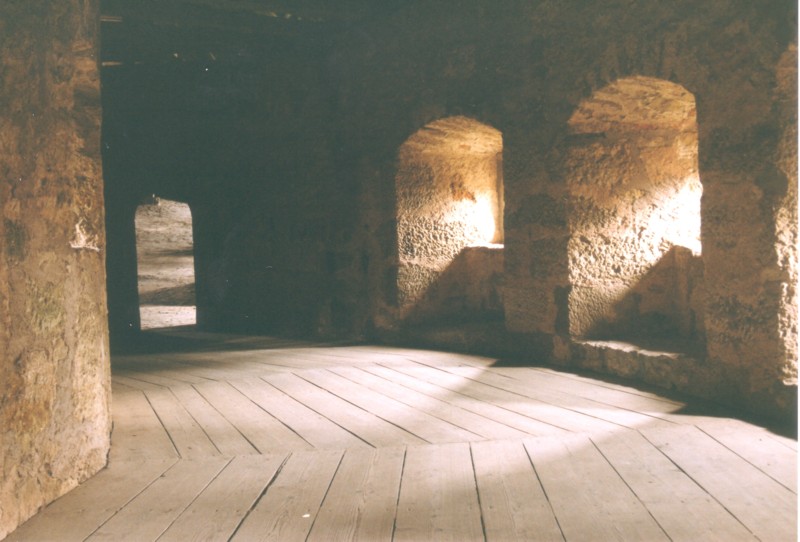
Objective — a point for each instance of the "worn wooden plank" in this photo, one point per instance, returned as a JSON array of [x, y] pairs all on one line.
[[599, 415], [152, 375], [589, 498], [438, 495], [765, 507], [319, 431], [414, 421], [225, 436], [261, 429], [154, 510], [448, 412], [683, 509], [477, 402], [362, 500], [608, 394], [135, 383], [368, 427], [138, 433], [79, 513], [188, 437], [287, 510], [219, 510], [762, 449], [589, 383], [513, 504], [552, 415]]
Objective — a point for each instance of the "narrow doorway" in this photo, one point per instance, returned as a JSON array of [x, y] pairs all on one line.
[[165, 258]]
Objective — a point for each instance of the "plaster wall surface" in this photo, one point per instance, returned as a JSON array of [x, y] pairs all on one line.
[[54, 362]]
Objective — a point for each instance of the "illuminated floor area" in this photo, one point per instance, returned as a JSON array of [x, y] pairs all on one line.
[[235, 438]]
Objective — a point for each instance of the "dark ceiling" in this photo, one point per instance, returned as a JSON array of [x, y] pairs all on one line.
[[146, 31]]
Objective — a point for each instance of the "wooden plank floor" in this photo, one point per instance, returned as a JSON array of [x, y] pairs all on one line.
[[255, 438]]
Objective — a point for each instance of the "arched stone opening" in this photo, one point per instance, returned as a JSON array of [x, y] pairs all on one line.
[[165, 261], [634, 214], [449, 187]]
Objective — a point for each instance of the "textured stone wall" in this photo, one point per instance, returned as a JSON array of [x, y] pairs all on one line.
[[54, 364], [525, 68], [448, 180], [287, 150], [634, 193]]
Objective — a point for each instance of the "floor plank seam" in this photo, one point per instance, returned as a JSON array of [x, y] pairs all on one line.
[[442, 400], [196, 421], [495, 404], [552, 404], [133, 498], [260, 496], [287, 426], [477, 492], [325, 496], [703, 488], [399, 491], [544, 489], [192, 501], [630, 488], [411, 406], [321, 414], [164, 427], [234, 425], [365, 410], [737, 454]]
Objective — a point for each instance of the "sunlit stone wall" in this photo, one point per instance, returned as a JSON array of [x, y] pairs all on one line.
[[634, 212], [448, 175]]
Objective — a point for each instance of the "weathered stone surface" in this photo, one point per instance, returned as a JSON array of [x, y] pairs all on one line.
[[311, 173], [449, 198], [54, 362]]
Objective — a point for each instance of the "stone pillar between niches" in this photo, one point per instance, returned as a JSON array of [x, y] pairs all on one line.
[[536, 241], [744, 280]]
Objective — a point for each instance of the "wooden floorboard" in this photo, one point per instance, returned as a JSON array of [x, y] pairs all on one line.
[[416, 422], [264, 431], [315, 429], [220, 509], [138, 433], [445, 411], [681, 507], [254, 438], [370, 428], [361, 503], [513, 503], [226, 437], [151, 513], [78, 514], [438, 495], [287, 511], [768, 509], [590, 499]]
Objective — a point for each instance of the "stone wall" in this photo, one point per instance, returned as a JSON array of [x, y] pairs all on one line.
[[448, 186], [54, 362], [525, 68], [630, 169], [286, 146]]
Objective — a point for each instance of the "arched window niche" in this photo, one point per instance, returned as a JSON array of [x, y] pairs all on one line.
[[634, 190], [449, 187], [165, 261]]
